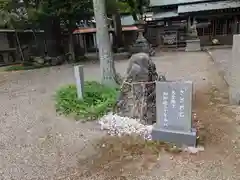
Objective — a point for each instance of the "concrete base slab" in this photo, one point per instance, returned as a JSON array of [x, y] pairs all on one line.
[[193, 45], [178, 138]]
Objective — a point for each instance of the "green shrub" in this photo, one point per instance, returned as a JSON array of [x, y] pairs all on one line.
[[22, 67], [15, 68], [97, 100]]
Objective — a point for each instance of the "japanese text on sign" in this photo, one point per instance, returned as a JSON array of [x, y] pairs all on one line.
[[173, 99], [181, 107], [165, 108]]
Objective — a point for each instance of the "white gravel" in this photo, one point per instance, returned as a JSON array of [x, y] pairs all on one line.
[[118, 126]]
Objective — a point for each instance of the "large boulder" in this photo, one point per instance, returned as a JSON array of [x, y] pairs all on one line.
[[137, 98]]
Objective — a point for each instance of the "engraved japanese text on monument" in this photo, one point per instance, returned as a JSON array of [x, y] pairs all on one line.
[[174, 113], [165, 111], [174, 105]]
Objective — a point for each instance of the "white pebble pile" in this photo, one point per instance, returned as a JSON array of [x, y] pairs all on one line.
[[119, 126]]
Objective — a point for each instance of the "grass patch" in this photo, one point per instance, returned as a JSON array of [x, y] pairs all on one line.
[[21, 67], [97, 101]]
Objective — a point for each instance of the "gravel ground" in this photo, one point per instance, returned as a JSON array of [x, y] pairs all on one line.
[[38, 144], [221, 58]]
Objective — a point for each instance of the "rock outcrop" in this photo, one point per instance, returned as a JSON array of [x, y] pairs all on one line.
[[137, 98]]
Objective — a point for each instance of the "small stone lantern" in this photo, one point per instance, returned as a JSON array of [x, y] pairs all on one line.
[[141, 44]]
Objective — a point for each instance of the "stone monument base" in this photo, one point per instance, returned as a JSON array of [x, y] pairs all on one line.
[[179, 138], [193, 45]]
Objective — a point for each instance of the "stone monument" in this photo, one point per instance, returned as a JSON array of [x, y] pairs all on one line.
[[174, 113], [137, 95], [233, 76], [193, 42]]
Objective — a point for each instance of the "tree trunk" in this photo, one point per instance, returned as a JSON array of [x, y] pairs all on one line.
[[134, 15], [56, 32], [118, 28], [71, 47], [52, 30], [70, 41], [104, 45]]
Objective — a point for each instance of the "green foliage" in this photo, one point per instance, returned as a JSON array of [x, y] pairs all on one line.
[[13, 14], [98, 100], [35, 11], [133, 7], [22, 67], [124, 7], [68, 12], [15, 68], [136, 7], [4, 3], [112, 6], [68, 9], [5, 14]]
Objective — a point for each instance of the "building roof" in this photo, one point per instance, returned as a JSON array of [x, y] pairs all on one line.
[[162, 15], [19, 30], [162, 2], [174, 2], [208, 6], [127, 20], [94, 30]]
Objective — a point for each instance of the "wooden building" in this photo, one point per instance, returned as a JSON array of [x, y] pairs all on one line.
[[15, 45], [217, 19], [86, 36]]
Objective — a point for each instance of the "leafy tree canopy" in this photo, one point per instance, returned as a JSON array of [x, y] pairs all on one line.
[[12, 14], [15, 13]]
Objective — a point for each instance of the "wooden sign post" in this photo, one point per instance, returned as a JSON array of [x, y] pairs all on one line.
[[79, 77]]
